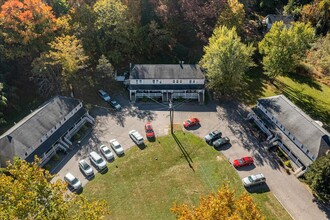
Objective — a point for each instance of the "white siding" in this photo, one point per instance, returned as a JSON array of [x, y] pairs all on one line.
[[166, 81]]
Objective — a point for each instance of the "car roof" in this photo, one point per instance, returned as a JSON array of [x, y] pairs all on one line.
[[95, 155], [69, 176]]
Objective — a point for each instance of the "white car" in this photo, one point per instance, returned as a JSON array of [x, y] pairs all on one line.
[[116, 147], [86, 168], [253, 180], [97, 160], [107, 153], [72, 181], [136, 137], [104, 95]]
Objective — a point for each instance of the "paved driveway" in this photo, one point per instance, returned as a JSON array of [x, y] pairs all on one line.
[[228, 117]]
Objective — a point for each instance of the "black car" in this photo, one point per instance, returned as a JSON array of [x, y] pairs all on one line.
[[212, 136], [221, 141]]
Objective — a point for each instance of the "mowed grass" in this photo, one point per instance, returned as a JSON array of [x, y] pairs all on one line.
[[144, 184]]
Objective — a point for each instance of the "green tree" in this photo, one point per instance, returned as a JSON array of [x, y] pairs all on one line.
[[284, 47], [55, 70], [318, 13], [28, 193], [220, 205], [319, 55], [233, 15], [226, 59], [318, 177], [3, 103], [104, 67]]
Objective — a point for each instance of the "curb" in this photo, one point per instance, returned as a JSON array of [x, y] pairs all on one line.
[[284, 207]]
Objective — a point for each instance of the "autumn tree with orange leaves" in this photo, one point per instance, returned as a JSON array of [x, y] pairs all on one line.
[[26, 27], [220, 205]]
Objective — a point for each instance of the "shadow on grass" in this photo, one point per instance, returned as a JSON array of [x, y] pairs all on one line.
[[305, 79], [184, 151]]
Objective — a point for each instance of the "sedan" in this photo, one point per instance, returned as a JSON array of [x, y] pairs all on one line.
[[149, 130], [221, 141], [191, 122], [116, 147], [104, 95], [115, 104], [212, 136], [86, 168], [244, 161], [107, 153]]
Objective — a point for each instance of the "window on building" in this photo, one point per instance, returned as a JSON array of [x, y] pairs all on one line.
[[173, 80], [140, 81], [177, 81], [190, 81], [137, 81], [180, 81], [194, 81], [153, 81], [160, 82]]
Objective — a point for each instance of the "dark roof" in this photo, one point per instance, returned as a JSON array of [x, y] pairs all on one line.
[[166, 87], [286, 19], [166, 71], [315, 138], [33, 127]]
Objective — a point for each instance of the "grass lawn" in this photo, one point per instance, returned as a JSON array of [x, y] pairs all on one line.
[[309, 95], [144, 184]]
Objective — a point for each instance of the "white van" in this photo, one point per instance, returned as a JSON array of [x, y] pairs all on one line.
[[136, 137], [97, 160], [72, 181]]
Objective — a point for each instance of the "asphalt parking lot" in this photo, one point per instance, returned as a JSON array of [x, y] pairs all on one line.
[[229, 117]]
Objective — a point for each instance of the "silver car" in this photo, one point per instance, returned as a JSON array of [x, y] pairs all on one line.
[[116, 147], [136, 137], [253, 180], [97, 160], [107, 153], [72, 181], [86, 168]]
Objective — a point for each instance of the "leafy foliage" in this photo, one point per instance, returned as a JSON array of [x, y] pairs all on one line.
[[319, 54], [28, 193], [233, 15], [104, 67], [54, 70], [318, 177], [226, 59], [220, 205], [283, 47], [25, 26]]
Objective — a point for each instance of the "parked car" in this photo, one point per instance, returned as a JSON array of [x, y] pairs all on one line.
[[107, 153], [136, 137], [244, 161], [212, 136], [190, 122], [115, 104], [72, 181], [104, 95], [85, 168], [149, 130], [116, 147], [97, 160], [221, 141], [253, 180]]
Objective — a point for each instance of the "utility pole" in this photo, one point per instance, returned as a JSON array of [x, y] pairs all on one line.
[[171, 115]]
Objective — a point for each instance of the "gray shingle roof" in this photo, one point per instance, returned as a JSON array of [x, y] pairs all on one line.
[[166, 71], [30, 130], [286, 19], [315, 138], [158, 87]]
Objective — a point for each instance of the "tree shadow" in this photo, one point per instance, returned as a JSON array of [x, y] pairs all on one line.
[[323, 206], [305, 79], [184, 152]]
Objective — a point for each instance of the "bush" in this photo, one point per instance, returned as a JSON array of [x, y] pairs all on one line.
[[47, 167], [56, 157], [288, 164], [76, 137], [144, 99]]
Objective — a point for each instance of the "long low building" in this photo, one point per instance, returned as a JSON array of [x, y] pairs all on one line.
[[44, 131], [298, 135], [166, 82]]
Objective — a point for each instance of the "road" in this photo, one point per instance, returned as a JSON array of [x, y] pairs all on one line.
[[229, 117]]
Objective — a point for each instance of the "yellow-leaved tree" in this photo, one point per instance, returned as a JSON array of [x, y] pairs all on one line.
[[221, 205], [27, 192]]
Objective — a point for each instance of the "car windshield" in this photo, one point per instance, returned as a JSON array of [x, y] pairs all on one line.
[[150, 131], [74, 181], [85, 165], [240, 161], [114, 102], [107, 151], [99, 161], [188, 121], [250, 179], [117, 146]]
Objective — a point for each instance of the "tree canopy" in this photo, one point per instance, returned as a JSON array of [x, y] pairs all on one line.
[[27, 192], [226, 59], [220, 205], [284, 47], [318, 177]]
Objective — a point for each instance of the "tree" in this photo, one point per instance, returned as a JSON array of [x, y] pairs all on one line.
[[55, 70], [226, 59], [318, 177], [26, 27], [233, 15], [220, 205], [28, 193], [284, 47], [3, 103], [318, 13], [104, 67], [319, 55]]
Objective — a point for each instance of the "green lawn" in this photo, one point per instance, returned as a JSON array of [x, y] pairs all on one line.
[[311, 96], [144, 184]]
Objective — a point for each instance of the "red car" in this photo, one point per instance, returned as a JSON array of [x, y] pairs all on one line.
[[149, 130], [244, 161], [191, 122]]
